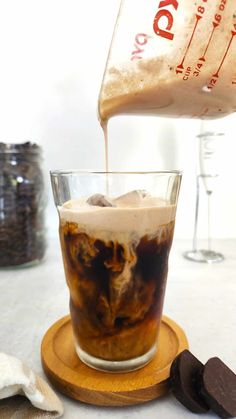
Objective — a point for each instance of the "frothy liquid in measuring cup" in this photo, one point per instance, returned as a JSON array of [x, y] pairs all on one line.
[[165, 98], [186, 70]]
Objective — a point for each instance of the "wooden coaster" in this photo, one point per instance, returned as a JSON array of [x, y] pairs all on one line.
[[73, 378]]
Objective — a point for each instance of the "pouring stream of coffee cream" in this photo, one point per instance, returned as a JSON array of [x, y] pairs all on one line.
[[171, 58]]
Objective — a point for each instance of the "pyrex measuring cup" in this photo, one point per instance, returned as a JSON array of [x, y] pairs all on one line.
[[172, 58]]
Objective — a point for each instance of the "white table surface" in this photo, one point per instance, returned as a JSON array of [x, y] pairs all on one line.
[[201, 298]]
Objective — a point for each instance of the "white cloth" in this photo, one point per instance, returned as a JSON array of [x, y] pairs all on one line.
[[17, 379]]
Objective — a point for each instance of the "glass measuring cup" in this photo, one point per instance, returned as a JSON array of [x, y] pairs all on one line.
[[172, 58]]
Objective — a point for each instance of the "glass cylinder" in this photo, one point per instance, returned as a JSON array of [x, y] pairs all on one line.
[[22, 204], [116, 231]]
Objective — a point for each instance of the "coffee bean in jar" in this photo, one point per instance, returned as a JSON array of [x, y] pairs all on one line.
[[22, 205]]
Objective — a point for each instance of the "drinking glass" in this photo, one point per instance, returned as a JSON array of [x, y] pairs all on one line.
[[116, 231], [208, 168]]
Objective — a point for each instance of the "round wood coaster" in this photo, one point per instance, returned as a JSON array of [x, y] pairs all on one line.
[[73, 378]]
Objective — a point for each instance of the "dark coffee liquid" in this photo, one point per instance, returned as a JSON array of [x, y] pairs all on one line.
[[116, 291]]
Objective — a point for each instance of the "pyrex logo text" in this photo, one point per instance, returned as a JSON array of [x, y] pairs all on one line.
[[164, 19]]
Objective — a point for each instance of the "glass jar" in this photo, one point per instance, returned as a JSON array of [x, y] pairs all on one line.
[[22, 205]]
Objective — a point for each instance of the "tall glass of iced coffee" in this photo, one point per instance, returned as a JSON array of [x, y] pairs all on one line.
[[116, 231]]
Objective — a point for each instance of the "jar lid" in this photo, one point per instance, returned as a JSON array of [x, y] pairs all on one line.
[[26, 148]]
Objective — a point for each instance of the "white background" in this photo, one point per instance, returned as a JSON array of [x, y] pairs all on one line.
[[52, 58]]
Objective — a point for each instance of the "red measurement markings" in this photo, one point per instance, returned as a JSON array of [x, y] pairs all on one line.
[[180, 67], [225, 55], [216, 75], [202, 60], [200, 115], [215, 25], [204, 113]]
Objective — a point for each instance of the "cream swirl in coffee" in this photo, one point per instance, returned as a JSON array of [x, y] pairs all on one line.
[[115, 252]]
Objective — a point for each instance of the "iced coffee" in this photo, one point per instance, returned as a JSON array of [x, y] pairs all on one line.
[[115, 253]]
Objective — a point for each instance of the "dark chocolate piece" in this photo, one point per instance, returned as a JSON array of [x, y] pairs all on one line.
[[217, 385], [184, 370]]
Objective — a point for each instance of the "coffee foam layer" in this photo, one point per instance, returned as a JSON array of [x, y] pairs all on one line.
[[122, 219]]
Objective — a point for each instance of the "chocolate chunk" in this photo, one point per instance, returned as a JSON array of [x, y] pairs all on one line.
[[184, 369], [217, 385], [99, 200]]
